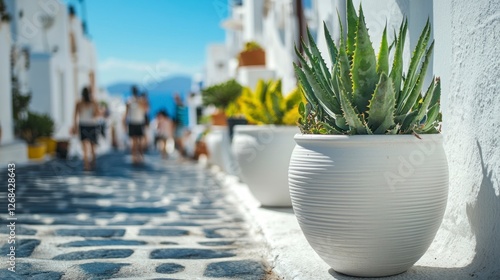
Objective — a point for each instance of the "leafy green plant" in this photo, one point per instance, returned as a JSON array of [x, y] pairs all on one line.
[[361, 93], [20, 103], [221, 95], [4, 16], [268, 106], [35, 126]]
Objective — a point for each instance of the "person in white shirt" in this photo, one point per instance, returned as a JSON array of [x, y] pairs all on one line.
[[135, 116], [86, 113]]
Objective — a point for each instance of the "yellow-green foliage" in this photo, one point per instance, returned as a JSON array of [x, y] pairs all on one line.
[[252, 46], [267, 105]]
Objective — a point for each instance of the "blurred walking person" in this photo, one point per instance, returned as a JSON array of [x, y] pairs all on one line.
[[145, 139], [164, 131], [180, 124], [135, 118], [85, 122]]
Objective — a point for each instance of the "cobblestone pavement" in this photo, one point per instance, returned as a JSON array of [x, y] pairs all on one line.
[[162, 220]]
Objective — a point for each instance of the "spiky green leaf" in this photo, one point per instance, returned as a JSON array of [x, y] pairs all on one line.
[[409, 122], [382, 106], [419, 52], [325, 99], [319, 62], [304, 85], [436, 95], [432, 117], [351, 116], [422, 109], [364, 72], [383, 55], [352, 23], [318, 68], [397, 64], [341, 123], [406, 104], [332, 48], [344, 68]]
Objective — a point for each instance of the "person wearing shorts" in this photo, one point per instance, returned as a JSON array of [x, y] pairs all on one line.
[[134, 115], [86, 113]]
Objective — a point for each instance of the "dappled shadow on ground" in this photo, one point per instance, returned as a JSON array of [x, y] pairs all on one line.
[[61, 186]]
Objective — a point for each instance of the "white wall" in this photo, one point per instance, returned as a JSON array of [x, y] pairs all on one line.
[[41, 82], [217, 68], [5, 85], [281, 29], [29, 30], [467, 57], [249, 76], [253, 29]]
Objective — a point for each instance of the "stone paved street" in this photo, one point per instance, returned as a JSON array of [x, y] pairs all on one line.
[[163, 220]]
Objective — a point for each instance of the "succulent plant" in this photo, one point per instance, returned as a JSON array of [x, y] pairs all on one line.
[[361, 93], [267, 105]]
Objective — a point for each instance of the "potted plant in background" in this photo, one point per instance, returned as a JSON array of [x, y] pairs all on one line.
[[217, 140], [31, 128], [220, 96], [4, 16], [235, 116], [262, 150], [252, 55], [368, 176]]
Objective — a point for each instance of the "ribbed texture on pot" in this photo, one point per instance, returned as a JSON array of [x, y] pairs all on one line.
[[369, 205]]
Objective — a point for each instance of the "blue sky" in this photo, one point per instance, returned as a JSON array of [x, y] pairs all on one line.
[[137, 40]]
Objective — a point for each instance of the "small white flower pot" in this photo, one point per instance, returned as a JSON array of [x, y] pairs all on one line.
[[263, 154], [370, 206], [219, 149]]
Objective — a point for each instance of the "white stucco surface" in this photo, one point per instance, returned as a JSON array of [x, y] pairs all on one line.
[[468, 60], [217, 64], [249, 75], [5, 85]]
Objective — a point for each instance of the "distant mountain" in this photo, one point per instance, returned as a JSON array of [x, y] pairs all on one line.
[[181, 84]]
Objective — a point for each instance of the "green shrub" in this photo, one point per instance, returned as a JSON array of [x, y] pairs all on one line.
[[35, 126], [221, 95]]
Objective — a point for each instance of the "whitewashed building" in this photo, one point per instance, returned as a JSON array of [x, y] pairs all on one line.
[[10, 149], [53, 58], [269, 24]]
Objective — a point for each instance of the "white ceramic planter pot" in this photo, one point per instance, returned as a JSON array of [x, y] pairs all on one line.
[[369, 205], [263, 154], [219, 149]]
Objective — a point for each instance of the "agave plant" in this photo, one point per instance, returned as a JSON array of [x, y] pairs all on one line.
[[361, 93], [267, 105]]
